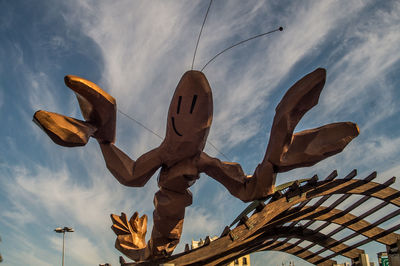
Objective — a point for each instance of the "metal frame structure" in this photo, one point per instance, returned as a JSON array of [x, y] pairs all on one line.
[[288, 216]]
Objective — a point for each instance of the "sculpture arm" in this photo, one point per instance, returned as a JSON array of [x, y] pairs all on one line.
[[287, 150], [127, 171], [231, 175]]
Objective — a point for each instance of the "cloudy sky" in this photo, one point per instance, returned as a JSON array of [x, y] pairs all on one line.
[[137, 51]]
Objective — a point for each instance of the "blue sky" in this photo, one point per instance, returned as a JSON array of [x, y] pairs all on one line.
[[137, 51]]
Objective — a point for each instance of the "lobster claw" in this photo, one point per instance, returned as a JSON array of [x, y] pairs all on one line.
[[288, 150], [97, 107], [63, 130]]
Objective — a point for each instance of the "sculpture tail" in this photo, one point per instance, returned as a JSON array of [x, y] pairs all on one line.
[[131, 235]]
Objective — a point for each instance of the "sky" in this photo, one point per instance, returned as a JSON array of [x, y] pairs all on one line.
[[137, 51]]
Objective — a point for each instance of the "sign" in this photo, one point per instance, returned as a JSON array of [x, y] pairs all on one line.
[[384, 262]]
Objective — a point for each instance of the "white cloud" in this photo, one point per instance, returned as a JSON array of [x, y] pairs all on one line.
[[53, 198], [201, 223], [360, 80], [79, 248], [142, 62], [39, 87], [27, 246], [142, 59], [393, 171], [275, 258], [143, 55]]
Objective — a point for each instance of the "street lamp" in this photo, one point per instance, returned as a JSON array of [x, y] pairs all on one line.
[[63, 230]]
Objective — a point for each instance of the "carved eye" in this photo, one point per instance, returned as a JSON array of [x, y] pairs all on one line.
[[193, 103], [179, 104]]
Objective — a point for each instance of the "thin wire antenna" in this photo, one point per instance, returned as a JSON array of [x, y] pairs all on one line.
[[201, 30], [220, 152], [249, 39], [140, 124], [154, 133]]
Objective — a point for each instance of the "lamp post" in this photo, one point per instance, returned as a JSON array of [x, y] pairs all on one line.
[[63, 230]]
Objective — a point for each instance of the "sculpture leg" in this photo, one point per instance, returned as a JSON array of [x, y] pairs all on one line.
[[168, 220], [259, 185], [232, 177]]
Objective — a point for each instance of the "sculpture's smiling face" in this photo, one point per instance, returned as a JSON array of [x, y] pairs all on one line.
[[180, 115], [190, 114]]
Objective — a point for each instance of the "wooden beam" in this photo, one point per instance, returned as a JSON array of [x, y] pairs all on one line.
[[373, 231], [252, 235], [365, 241], [294, 250], [312, 236], [330, 177], [360, 187]]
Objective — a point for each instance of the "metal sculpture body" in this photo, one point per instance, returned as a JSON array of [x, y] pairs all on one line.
[[181, 157]]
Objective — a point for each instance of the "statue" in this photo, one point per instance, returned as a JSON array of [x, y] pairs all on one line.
[[181, 157]]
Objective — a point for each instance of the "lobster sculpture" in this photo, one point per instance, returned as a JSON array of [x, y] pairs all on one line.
[[181, 157]]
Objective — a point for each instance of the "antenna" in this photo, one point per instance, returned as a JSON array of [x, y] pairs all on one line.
[[198, 39], [140, 124], [230, 47]]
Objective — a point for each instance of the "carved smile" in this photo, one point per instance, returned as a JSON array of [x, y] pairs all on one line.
[[173, 125]]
